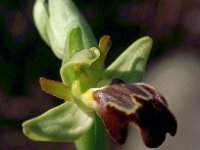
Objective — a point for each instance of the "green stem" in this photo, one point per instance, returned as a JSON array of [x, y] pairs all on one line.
[[95, 139]]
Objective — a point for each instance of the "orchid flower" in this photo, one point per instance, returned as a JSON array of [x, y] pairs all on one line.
[[96, 100]]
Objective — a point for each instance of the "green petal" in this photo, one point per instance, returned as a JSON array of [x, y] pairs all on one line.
[[130, 65], [77, 67], [104, 46], [40, 15], [64, 16], [60, 124], [57, 89]]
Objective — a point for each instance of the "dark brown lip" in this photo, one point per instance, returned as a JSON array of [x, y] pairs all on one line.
[[121, 104]]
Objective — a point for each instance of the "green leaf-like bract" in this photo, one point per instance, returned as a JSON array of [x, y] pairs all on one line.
[[64, 16], [40, 15]]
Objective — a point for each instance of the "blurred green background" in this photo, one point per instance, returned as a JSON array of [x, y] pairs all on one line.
[[174, 64]]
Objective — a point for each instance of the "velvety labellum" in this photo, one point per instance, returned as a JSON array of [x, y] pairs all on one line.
[[120, 104]]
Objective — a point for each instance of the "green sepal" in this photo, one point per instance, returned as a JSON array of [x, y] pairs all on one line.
[[131, 64], [64, 16], [74, 43], [63, 123], [40, 15], [78, 66], [57, 89]]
